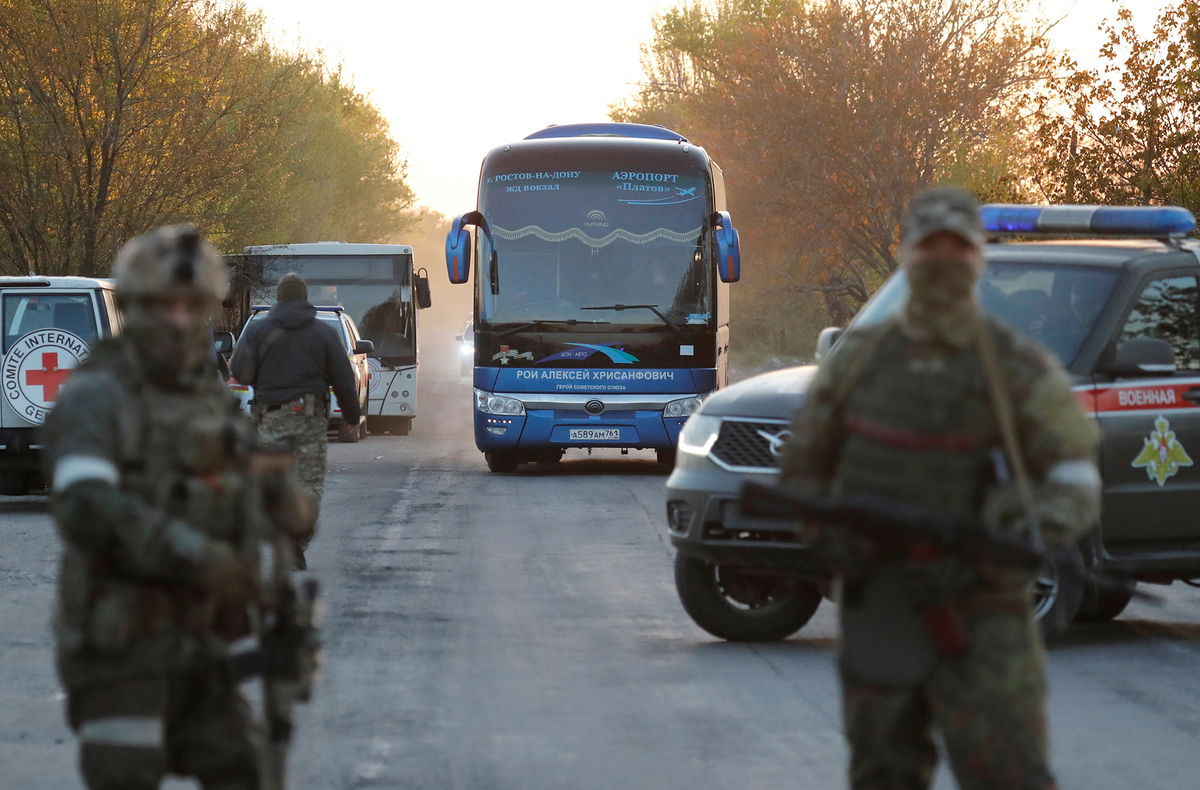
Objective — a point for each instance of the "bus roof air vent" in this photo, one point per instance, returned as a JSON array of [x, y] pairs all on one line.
[[642, 130]]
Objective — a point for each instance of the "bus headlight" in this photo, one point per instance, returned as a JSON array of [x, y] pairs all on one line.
[[488, 403], [682, 407], [699, 434]]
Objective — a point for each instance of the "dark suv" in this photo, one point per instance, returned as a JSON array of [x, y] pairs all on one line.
[[1124, 318]]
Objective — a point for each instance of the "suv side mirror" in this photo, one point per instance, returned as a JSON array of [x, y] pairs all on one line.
[[363, 346], [222, 342], [826, 340], [421, 284], [1142, 356]]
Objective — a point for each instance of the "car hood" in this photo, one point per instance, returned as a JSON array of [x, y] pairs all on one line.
[[775, 395]]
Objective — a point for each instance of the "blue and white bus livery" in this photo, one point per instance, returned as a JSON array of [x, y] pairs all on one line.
[[601, 291]]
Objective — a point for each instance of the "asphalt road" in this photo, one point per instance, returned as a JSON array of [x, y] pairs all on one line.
[[522, 631]]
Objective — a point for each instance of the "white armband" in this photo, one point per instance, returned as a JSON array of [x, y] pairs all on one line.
[[71, 469]]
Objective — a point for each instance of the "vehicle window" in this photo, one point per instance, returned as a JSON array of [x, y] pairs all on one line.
[[22, 313], [335, 321], [1168, 309], [1055, 305]]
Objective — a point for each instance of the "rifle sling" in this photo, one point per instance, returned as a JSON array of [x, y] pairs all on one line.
[[1002, 408]]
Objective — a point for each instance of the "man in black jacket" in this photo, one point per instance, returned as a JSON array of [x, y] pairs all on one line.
[[292, 359]]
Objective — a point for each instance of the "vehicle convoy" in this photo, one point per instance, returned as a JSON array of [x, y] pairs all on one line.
[[357, 349], [376, 286], [50, 325], [601, 290], [1119, 308]]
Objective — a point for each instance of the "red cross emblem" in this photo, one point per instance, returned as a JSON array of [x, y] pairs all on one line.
[[49, 378]]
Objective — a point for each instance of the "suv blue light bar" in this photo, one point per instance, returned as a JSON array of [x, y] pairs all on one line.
[[1137, 221], [642, 130]]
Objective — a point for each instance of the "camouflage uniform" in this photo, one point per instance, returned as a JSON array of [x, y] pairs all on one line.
[[905, 413], [304, 436], [161, 528]]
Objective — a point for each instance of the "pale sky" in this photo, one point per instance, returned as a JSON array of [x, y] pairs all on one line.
[[457, 77]]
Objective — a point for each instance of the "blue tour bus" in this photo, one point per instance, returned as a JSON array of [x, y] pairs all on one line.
[[603, 257]]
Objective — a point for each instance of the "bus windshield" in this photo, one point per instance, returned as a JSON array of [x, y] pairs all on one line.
[[611, 245], [375, 290]]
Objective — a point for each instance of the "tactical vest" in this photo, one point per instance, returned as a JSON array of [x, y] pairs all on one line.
[[918, 431], [181, 453]]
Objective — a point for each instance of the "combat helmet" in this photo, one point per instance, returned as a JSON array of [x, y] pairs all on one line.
[[170, 261]]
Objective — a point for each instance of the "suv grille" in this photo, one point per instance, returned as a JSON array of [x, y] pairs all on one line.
[[748, 444]]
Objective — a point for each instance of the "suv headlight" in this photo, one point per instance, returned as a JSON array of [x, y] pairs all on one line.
[[682, 407], [488, 403], [699, 434]]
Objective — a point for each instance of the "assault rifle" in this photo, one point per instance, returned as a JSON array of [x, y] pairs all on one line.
[[904, 530], [288, 651], [895, 525]]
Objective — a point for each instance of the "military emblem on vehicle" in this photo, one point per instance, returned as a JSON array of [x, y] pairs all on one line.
[[506, 355], [775, 441], [1162, 455], [36, 367]]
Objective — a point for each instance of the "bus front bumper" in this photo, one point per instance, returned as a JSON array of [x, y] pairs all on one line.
[[635, 422]]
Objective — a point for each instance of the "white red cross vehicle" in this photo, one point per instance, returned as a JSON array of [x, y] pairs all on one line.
[[1118, 302], [49, 326]]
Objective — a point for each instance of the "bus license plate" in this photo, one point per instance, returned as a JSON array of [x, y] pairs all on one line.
[[594, 434]]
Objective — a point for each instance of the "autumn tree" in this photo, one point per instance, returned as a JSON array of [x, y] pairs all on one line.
[[1127, 132], [827, 115], [120, 115]]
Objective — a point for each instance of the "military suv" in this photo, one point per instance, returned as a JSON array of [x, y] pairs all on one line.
[[49, 326], [1119, 308]]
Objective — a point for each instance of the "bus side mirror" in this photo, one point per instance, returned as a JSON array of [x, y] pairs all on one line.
[[458, 250], [421, 283], [729, 252], [363, 346]]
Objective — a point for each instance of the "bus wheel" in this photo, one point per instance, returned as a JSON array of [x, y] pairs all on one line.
[[501, 462], [348, 433], [665, 456]]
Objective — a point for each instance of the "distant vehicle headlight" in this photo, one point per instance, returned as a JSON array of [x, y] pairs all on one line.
[[488, 403], [699, 434], [682, 407], [467, 348]]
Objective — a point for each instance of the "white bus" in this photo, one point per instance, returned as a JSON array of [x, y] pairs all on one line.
[[379, 289]]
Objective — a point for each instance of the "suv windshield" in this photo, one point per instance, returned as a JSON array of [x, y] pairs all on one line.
[[1055, 305]]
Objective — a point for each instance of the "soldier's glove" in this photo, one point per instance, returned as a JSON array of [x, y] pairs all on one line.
[[227, 575], [938, 581]]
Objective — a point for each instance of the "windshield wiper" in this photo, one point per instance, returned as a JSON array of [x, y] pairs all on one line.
[[651, 307], [543, 321]]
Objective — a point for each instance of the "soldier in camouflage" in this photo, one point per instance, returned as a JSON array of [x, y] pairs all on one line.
[[162, 528], [292, 359], [913, 410]]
